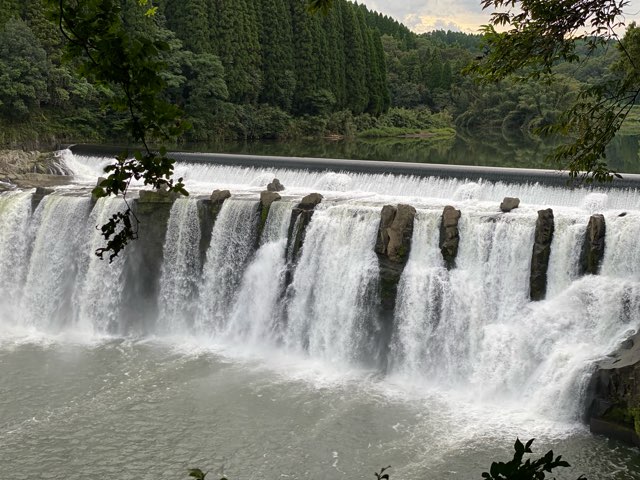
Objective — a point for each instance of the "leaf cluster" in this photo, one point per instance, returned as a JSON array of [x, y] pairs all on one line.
[[129, 62], [516, 469], [538, 34]]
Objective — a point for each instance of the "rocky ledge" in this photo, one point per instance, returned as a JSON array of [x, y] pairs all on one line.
[[31, 170], [613, 399]]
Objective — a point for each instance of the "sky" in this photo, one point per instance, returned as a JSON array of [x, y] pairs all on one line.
[[461, 15]]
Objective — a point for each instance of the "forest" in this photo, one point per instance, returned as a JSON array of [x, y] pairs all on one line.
[[270, 69]]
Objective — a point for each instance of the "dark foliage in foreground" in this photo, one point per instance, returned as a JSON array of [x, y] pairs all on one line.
[[515, 469]]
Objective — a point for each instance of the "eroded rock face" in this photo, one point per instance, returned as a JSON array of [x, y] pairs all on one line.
[[310, 201], [400, 232], [275, 186], [593, 246], [449, 235], [38, 195], [219, 196], [393, 245], [266, 199], [540, 255], [509, 203], [386, 219], [300, 218], [613, 396], [144, 259]]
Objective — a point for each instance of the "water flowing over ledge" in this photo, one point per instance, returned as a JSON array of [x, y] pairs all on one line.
[[228, 277]]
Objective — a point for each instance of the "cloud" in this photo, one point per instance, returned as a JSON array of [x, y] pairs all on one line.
[[463, 15], [426, 15]]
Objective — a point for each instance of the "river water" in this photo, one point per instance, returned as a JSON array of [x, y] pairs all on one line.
[[242, 375]]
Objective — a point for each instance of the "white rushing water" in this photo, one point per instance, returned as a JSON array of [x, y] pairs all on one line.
[[202, 178], [469, 334], [257, 311], [181, 267], [333, 289], [100, 283], [59, 227], [15, 212], [233, 241]]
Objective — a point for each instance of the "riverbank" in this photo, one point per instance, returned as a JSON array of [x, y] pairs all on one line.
[[31, 169]]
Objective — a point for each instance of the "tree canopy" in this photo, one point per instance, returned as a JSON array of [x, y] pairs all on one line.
[[535, 37]]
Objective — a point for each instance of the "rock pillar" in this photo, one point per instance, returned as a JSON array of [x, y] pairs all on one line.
[[266, 199], [449, 235], [540, 255], [300, 218], [593, 246], [392, 247], [144, 259], [208, 211]]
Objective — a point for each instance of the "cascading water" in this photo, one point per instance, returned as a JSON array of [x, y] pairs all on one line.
[[181, 267], [565, 252], [59, 228], [257, 311], [15, 212], [467, 339], [332, 300], [99, 283], [233, 241], [423, 295]]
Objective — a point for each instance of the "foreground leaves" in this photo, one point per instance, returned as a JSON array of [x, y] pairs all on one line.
[[535, 36], [130, 64]]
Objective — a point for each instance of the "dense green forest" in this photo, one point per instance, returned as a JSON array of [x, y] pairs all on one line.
[[257, 69]]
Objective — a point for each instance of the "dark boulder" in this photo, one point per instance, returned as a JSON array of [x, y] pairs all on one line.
[[509, 203], [449, 235], [540, 255], [275, 186], [593, 246]]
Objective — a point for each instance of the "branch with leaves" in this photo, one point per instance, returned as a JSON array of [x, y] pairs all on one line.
[[131, 64], [534, 37]]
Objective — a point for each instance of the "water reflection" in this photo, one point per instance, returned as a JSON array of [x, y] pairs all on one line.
[[498, 149]]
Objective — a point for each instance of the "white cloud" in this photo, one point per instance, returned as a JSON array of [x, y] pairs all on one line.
[[464, 15]]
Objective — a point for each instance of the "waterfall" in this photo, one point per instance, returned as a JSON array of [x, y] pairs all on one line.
[[15, 213], [98, 299], [565, 252], [447, 321], [332, 299], [256, 313], [232, 243], [471, 330], [181, 267], [59, 232], [423, 294]]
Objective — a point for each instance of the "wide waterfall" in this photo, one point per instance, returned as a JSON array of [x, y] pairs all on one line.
[[238, 315]]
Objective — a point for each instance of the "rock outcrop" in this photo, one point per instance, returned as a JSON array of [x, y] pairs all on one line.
[[449, 235], [593, 246], [144, 259], [300, 218], [38, 195], [540, 255], [613, 396], [393, 245], [509, 203], [32, 169], [266, 199], [208, 211], [275, 186]]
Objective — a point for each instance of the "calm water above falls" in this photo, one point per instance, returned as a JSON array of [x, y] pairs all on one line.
[[243, 371]]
